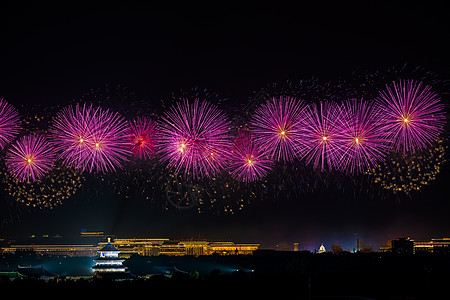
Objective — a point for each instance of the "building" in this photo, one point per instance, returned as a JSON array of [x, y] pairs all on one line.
[[89, 234], [92, 237], [322, 249], [109, 264], [230, 248], [403, 246], [155, 247], [408, 246], [57, 250], [142, 247], [438, 246]]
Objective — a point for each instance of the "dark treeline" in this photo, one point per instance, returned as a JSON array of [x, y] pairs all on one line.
[[298, 274]]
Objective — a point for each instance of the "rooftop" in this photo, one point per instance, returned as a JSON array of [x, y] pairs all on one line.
[[109, 247]]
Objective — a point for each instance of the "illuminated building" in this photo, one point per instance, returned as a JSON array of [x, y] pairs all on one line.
[[108, 260], [406, 245], [439, 246], [399, 246], [155, 247], [142, 247], [230, 248], [386, 248], [57, 250], [322, 249], [85, 233], [109, 265]]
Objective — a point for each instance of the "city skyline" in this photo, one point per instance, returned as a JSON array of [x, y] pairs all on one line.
[[92, 241]]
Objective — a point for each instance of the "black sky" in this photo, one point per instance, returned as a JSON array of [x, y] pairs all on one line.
[[52, 55]]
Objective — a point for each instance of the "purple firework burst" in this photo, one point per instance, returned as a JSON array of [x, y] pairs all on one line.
[[9, 123], [142, 137], [277, 127], [248, 162], [363, 141], [70, 134], [30, 158], [90, 138], [321, 136], [194, 138], [413, 116]]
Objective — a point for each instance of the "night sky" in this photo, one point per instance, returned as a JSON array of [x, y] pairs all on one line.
[[53, 55]]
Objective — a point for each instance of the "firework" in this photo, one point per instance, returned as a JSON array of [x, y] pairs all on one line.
[[363, 142], [30, 158], [9, 123], [142, 137], [248, 162], [413, 116], [277, 128], [194, 138], [90, 138], [408, 173], [322, 137], [107, 140], [57, 186], [69, 133]]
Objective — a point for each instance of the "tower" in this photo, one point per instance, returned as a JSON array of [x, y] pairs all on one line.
[[108, 264]]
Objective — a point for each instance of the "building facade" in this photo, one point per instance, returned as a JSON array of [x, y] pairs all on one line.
[[108, 260], [142, 247], [409, 246], [57, 250], [155, 247], [438, 246]]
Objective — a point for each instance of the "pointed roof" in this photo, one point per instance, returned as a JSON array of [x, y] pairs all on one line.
[[322, 249], [109, 247]]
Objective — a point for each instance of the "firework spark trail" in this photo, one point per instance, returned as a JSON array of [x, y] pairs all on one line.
[[321, 135], [194, 138], [90, 138], [69, 134], [248, 162], [142, 135], [363, 141], [277, 128], [107, 140], [413, 117], [411, 172], [355, 137], [9, 123], [30, 158]]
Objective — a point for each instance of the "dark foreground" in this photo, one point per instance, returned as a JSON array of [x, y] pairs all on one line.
[[293, 275]]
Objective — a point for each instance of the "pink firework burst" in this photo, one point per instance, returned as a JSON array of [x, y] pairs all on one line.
[[277, 128], [30, 158], [142, 137], [194, 138], [90, 138], [363, 141], [413, 116], [9, 123], [321, 136], [69, 133], [248, 162], [107, 140]]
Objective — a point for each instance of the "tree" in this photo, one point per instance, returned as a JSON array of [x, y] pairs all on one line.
[[336, 248]]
